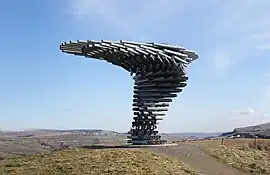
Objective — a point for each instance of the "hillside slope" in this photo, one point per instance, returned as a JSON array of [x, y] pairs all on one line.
[[83, 161], [261, 130]]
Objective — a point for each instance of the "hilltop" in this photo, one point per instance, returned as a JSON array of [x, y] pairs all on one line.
[[83, 161], [56, 132], [261, 131]]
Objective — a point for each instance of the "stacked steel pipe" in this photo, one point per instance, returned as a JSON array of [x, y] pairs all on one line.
[[160, 73]]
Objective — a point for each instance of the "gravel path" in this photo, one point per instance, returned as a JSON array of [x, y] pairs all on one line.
[[197, 159]]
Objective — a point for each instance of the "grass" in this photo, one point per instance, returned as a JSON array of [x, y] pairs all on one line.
[[244, 154], [249, 160], [105, 161]]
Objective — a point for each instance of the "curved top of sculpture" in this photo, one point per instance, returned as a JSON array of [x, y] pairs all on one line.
[[134, 57]]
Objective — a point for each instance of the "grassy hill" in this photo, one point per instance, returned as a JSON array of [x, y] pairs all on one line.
[[259, 130], [244, 154], [85, 161]]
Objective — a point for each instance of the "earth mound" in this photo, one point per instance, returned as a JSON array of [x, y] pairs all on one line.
[[86, 161]]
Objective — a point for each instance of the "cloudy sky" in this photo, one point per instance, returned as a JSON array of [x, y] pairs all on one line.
[[40, 87]]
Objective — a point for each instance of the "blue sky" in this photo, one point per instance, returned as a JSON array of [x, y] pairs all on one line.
[[41, 87]]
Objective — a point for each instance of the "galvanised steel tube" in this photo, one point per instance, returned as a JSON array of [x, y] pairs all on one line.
[[160, 73]]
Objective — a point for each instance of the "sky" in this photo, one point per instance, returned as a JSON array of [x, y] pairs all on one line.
[[41, 87]]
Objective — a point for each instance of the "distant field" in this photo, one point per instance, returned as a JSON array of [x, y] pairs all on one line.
[[83, 161], [19, 146], [244, 154], [237, 142]]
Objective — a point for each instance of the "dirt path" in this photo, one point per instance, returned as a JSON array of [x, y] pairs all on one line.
[[197, 159]]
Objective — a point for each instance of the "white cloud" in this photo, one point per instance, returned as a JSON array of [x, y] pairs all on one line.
[[222, 61], [261, 36], [264, 47], [238, 28], [132, 18], [241, 27], [246, 117], [262, 40], [238, 118], [266, 91], [247, 111]]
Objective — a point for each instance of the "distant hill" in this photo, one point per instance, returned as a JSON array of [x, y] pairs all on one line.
[[175, 136], [255, 128], [262, 130], [55, 132], [70, 130]]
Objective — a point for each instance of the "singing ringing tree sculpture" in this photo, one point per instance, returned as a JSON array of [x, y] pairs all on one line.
[[160, 73]]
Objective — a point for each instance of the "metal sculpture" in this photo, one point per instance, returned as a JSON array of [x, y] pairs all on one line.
[[160, 73]]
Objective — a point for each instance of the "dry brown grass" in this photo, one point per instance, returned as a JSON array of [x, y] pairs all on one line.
[[245, 154], [85, 161], [249, 160]]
